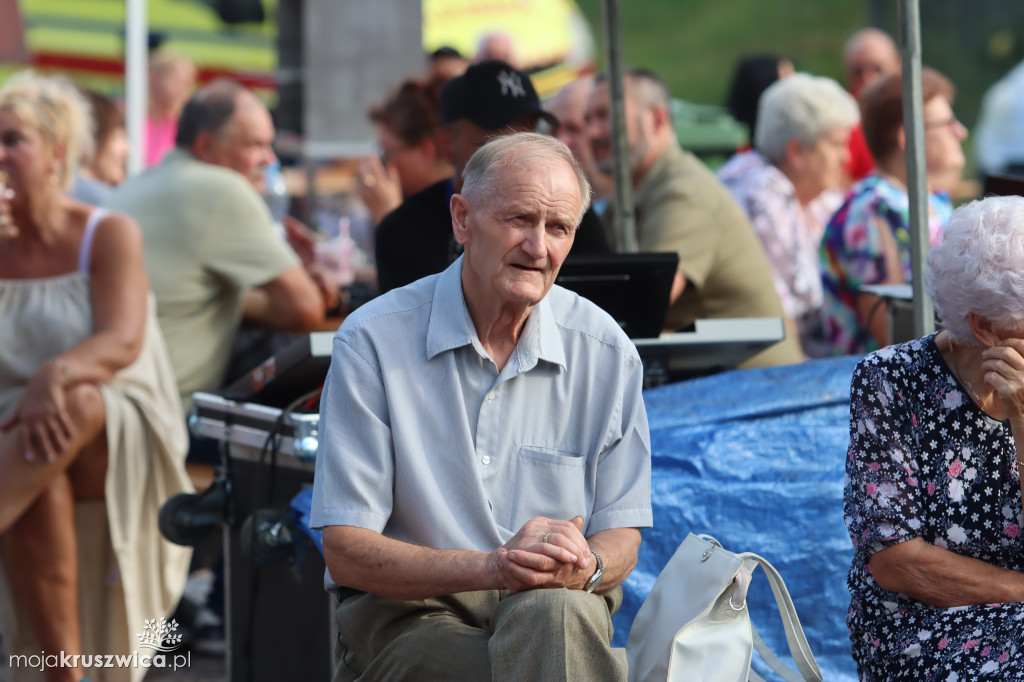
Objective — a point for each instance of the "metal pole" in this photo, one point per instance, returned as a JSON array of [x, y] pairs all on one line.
[[136, 82], [917, 188], [624, 212]]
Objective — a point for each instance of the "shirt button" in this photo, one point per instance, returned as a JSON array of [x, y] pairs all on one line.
[[491, 396], [486, 460]]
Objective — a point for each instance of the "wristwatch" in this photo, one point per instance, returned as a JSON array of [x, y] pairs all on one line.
[[591, 584]]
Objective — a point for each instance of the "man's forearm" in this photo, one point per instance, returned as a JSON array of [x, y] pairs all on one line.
[[290, 302], [618, 548], [368, 561]]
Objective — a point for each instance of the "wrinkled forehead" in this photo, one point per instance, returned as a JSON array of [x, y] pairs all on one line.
[[874, 52], [538, 180], [571, 102], [599, 95]]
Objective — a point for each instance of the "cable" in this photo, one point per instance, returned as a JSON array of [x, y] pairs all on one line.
[[271, 444]]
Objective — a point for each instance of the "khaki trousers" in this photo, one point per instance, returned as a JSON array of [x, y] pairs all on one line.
[[553, 635]]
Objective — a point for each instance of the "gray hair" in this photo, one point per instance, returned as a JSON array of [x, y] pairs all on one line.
[[209, 110], [804, 108], [644, 88], [977, 267], [510, 150]]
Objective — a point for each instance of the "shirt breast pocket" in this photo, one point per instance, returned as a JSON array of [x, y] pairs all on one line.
[[548, 482]]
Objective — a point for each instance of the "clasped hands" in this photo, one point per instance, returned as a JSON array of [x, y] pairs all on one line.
[[545, 553]]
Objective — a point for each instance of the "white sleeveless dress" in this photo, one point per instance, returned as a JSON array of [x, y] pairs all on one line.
[[128, 572]]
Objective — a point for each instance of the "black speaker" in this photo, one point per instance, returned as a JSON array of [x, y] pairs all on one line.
[[280, 621]]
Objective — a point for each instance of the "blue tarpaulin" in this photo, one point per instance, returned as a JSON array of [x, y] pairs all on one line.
[[754, 458]]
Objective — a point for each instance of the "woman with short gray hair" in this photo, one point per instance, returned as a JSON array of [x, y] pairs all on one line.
[[933, 489], [788, 186]]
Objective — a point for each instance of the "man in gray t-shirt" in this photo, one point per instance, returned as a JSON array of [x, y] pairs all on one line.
[[213, 255], [484, 462]]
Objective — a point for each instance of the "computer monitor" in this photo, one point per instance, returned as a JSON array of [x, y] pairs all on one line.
[[633, 288]]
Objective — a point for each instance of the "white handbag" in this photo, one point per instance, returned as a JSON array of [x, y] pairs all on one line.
[[695, 626]]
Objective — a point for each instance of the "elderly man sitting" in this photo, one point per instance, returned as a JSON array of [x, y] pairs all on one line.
[[787, 185], [487, 533]]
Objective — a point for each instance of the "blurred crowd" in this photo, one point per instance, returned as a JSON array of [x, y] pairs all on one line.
[[130, 293]]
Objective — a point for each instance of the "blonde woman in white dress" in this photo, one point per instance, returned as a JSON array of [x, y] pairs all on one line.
[[91, 432]]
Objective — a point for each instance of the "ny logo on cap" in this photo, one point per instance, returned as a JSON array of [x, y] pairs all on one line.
[[511, 84]]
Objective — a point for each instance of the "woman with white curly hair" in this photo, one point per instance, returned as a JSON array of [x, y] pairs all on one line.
[[92, 438], [933, 489]]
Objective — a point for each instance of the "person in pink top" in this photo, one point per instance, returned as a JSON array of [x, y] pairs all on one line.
[[172, 78]]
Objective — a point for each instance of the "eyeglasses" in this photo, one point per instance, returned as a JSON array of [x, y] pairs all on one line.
[[866, 69], [950, 122]]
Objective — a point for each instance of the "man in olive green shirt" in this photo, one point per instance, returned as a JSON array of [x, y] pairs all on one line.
[[682, 207], [213, 253]]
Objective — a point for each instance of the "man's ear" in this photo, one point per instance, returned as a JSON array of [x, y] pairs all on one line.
[[901, 139], [662, 119], [202, 146], [460, 212]]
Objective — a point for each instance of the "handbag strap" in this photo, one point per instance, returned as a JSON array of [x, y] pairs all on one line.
[[773, 661], [798, 646]]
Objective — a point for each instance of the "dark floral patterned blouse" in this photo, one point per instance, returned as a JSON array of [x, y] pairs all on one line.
[[926, 462]]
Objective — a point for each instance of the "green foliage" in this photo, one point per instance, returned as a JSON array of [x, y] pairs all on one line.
[[695, 44]]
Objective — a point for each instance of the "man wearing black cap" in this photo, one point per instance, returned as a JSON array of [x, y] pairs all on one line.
[[490, 99]]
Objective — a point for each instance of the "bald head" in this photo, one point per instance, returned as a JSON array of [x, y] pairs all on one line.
[[570, 108], [868, 54], [498, 45]]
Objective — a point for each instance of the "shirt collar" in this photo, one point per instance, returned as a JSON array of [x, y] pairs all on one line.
[[177, 155], [451, 327], [542, 338]]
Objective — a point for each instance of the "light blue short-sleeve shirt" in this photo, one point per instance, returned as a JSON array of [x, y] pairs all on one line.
[[423, 440]]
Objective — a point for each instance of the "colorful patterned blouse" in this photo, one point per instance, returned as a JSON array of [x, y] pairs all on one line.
[[790, 233], [852, 254]]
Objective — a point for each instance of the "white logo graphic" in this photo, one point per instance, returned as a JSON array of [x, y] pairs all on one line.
[[159, 635], [511, 84]]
